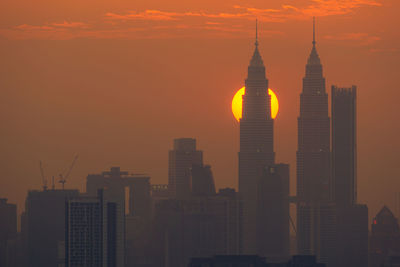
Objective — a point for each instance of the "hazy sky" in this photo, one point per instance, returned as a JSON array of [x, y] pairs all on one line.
[[117, 81]]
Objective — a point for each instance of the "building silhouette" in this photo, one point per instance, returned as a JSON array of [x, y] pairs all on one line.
[[384, 240], [45, 224], [181, 159], [352, 218], [229, 260], [256, 146], [196, 227], [344, 145], [8, 233], [316, 219], [273, 213], [202, 181], [254, 261], [131, 194], [91, 231]]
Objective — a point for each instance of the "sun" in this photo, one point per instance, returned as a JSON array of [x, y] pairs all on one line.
[[237, 104]]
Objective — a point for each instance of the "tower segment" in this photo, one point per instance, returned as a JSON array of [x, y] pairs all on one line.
[[256, 144]]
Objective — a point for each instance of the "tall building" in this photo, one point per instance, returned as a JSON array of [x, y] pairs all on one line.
[[344, 145], [130, 193], [90, 232], [256, 145], [8, 232], [352, 236], [197, 227], [273, 213], [202, 181], [385, 237], [352, 218], [315, 237], [181, 159], [45, 219]]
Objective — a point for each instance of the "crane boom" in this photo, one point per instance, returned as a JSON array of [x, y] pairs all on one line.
[[63, 179]]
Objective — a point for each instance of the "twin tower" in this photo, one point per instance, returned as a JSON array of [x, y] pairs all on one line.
[[264, 184]]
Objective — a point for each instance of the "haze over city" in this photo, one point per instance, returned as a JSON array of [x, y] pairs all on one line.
[[91, 85]]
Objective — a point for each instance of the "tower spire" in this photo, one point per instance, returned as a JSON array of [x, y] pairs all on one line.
[[256, 43], [314, 42]]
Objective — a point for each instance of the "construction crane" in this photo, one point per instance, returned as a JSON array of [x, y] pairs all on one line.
[[63, 178], [44, 180]]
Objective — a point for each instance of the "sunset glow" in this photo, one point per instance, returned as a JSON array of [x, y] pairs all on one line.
[[237, 104]]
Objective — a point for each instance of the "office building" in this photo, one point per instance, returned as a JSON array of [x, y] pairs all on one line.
[[344, 145], [130, 193], [256, 145], [273, 213], [384, 240], [8, 233], [197, 227], [90, 231], [315, 213], [45, 224], [181, 159]]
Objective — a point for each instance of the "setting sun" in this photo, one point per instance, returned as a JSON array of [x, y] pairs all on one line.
[[237, 104]]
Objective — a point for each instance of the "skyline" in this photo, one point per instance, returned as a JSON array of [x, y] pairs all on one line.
[[118, 115]]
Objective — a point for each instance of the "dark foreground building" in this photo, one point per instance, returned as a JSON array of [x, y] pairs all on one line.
[[273, 212], [90, 231], [253, 261], [384, 241], [131, 194], [8, 233], [196, 227], [45, 223]]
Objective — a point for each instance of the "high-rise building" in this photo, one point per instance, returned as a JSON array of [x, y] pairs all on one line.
[[256, 145], [181, 159], [90, 231], [344, 146], [352, 218], [352, 236], [313, 166], [197, 227], [273, 213], [45, 218], [134, 188], [385, 237], [130, 193], [8, 232], [202, 181]]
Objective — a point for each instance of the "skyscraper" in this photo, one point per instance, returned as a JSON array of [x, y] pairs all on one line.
[[121, 186], [273, 213], [256, 145], [8, 231], [344, 146], [352, 218], [45, 211], [181, 159], [90, 231], [315, 215]]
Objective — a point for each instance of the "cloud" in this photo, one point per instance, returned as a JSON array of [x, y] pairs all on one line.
[[359, 38], [67, 24], [151, 22]]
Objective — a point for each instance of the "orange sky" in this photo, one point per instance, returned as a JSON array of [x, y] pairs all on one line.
[[116, 81]]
